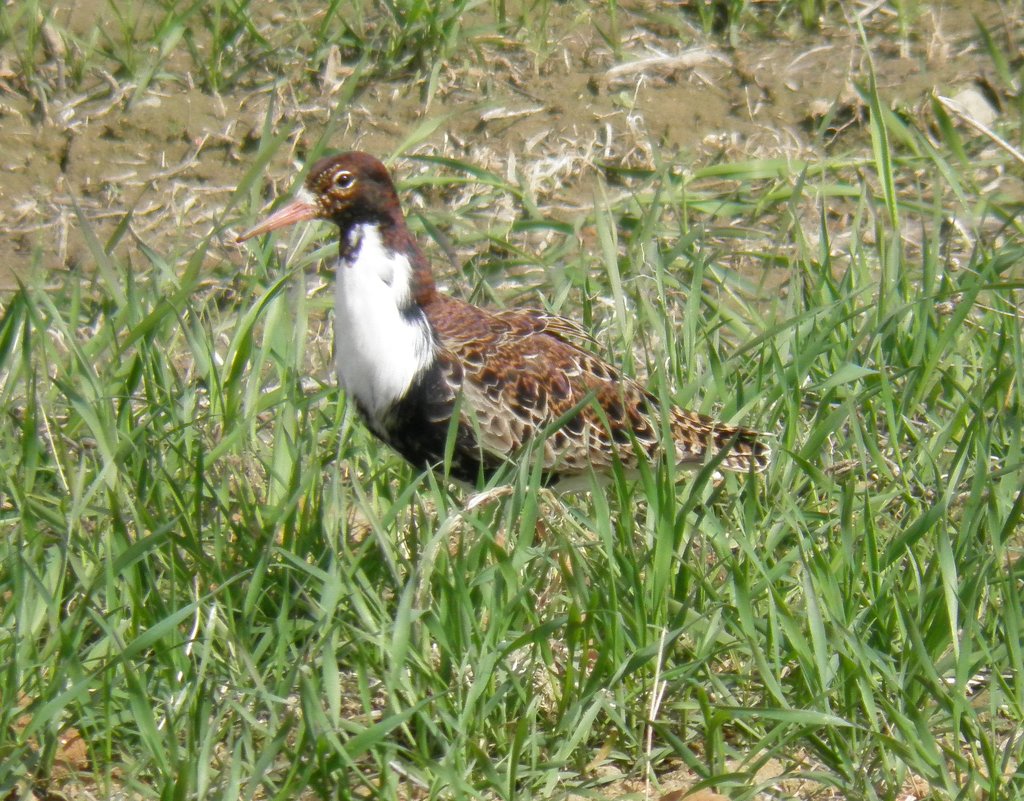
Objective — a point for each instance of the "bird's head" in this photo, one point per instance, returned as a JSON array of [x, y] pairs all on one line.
[[346, 189]]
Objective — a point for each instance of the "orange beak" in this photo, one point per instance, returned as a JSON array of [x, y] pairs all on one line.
[[299, 210]]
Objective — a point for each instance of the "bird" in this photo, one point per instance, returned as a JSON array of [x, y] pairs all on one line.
[[451, 385]]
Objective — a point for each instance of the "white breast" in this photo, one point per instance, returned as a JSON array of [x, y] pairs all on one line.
[[382, 341]]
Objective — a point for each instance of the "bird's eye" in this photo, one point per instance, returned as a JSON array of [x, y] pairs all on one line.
[[343, 180]]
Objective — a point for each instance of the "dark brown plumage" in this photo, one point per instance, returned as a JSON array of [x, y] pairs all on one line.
[[411, 356]]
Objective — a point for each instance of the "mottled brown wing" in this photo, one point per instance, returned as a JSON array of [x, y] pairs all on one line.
[[521, 374], [527, 321]]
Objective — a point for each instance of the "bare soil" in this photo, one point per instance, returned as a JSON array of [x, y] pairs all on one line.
[[172, 157]]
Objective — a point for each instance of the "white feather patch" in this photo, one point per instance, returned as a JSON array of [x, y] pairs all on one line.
[[380, 346]]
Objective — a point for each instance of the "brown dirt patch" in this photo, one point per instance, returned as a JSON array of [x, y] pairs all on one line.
[[172, 157]]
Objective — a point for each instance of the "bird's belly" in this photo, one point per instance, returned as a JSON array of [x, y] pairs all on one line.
[[420, 425]]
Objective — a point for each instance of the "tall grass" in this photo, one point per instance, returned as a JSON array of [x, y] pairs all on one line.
[[213, 576], [216, 576]]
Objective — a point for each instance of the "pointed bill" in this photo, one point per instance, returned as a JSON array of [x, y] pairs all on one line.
[[303, 208]]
